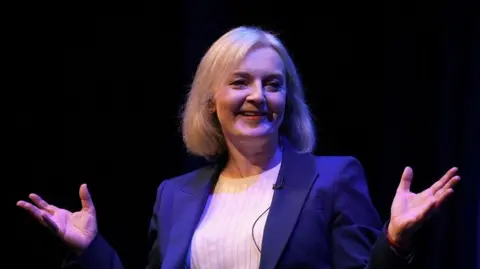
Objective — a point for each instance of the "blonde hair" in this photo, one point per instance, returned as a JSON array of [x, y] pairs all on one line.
[[200, 128]]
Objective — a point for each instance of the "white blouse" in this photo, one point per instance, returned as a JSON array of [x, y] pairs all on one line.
[[223, 238]]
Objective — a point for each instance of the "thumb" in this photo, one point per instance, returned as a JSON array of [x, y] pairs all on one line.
[[86, 199], [406, 180]]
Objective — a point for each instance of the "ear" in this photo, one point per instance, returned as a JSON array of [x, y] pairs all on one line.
[[211, 106]]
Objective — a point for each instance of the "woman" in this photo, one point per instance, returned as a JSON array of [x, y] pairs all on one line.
[[266, 201]]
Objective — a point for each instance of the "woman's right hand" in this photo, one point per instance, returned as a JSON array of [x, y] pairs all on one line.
[[77, 229]]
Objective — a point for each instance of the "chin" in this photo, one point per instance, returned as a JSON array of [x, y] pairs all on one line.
[[260, 130], [256, 132]]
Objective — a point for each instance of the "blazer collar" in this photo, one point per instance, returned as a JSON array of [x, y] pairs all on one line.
[[188, 206], [297, 174]]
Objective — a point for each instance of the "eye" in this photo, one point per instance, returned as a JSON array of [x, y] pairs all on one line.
[[274, 85], [239, 83]]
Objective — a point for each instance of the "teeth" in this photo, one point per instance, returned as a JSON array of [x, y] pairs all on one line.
[[252, 114]]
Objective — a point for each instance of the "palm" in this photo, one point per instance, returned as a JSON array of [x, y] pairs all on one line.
[[76, 229], [409, 209]]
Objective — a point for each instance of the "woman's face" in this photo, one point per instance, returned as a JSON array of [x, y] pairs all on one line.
[[251, 103]]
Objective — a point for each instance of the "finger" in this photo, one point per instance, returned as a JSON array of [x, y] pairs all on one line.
[[49, 222], [86, 199], [442, 195], [32, 210], [450, 184], [41, 204], [431, 206], [406, 180], [442, 181]]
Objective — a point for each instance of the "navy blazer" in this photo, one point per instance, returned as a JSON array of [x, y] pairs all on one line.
[[323, 217]]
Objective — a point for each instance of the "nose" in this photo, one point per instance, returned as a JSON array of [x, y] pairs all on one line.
[[256, 94]]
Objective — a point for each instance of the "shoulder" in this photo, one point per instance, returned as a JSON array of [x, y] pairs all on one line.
[[170, 185], [341, 172], [338, 164]]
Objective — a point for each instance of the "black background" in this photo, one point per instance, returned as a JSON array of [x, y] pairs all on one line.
[[100, 87]]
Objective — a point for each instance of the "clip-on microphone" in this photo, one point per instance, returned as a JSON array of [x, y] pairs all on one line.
[[278, 186]]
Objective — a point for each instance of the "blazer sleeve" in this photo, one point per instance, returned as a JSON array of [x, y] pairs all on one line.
[[101, 255], [358, 238]]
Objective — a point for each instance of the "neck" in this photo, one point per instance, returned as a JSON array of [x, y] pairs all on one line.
[[248, 158]]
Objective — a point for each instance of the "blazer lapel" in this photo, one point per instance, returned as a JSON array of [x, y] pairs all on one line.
[[298, 172], [188, 206]]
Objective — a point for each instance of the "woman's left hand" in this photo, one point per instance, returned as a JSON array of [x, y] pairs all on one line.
[[409, 209]]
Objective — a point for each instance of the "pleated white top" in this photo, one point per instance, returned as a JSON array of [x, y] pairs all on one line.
[[223, 238]]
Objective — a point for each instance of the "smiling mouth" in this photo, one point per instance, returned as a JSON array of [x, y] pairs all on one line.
[[255, 115]]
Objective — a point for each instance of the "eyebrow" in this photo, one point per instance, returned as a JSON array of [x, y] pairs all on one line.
[[247, 74]]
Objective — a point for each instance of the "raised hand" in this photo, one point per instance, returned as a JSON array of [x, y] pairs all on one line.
[[409, 209], [76, 229]]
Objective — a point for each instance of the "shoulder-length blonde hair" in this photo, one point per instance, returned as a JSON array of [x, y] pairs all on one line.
[[201, 132]]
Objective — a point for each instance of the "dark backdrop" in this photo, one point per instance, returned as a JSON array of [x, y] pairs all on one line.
[[392, 84]]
